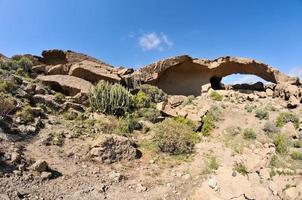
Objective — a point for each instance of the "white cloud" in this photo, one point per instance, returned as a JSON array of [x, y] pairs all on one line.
[[154, 41], [295, 71]]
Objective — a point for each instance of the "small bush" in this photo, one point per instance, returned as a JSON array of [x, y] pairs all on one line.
[[209, 120], [110, 99], [59, 97], [127, 125], [150, 114], [249, 108], [261, 113], [297, 144], [208, 124], [274, 162], [70, 115], [174, 137], [155, 94], [141, 100], [280, 142], [296, 155], [216, 96], [26, 114], [7, 86], [240, 168], [249, 134], [7, 104], [188, 101], [286, 117], [185, 121], [270, 127]]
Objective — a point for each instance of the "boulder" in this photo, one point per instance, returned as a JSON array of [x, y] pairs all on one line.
[[93, 72], [112, 148], [40, 166], [47, 100], [69, 85], [60, 69]]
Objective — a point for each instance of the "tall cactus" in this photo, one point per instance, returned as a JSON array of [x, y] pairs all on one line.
[[110, 99]]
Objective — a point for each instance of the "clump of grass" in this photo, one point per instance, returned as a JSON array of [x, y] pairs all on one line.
[[216, 96], [174, 138], [261, 113], [188, 101], [155, 94], [274, 162], [270, 127], [297, 144], [56, 139], [127, 125], [209, 120], [249, 134], [296, 155], [70, 115], [240, 168], [59, 97], [7, 104], [150, 114], [211, 164], [249, 108], [26, 114], [7, 86], [280, 142], [286, 117], [141, 100]]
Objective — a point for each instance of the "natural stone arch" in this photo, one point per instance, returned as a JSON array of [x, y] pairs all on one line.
[[184, 75]]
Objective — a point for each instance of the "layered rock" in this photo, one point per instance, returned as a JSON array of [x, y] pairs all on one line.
[[183, 75], [69, 85]]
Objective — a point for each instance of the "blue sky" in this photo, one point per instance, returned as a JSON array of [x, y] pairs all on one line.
[[134, 33]]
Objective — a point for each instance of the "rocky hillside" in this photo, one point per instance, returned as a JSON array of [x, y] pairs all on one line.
[[74, 127]]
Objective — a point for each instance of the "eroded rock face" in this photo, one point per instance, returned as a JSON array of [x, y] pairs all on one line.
[[69, 85], [184, 75]]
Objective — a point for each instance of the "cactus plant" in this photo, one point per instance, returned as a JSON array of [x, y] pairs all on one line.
[[110, 99]]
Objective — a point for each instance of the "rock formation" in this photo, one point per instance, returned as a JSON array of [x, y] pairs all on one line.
[[72, 73], [183, 75]]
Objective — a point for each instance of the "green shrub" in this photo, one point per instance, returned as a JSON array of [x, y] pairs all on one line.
[[297, 144], [296, 155], [59, 97], [188, 100], [211, 164], [274, 162], [175, 138], [26, 114], [240, 168], [127, 125], [155, 94], [286, 117], [280, 142], [150, 114], [110, 99], [249, 108], [25, 63], [208, 124], [7, 104], [261, 113], [216, 96], [209, 120], [270, 127], [185, 121], [249, 134], [7, 86], [141, 100], [70, 115]]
